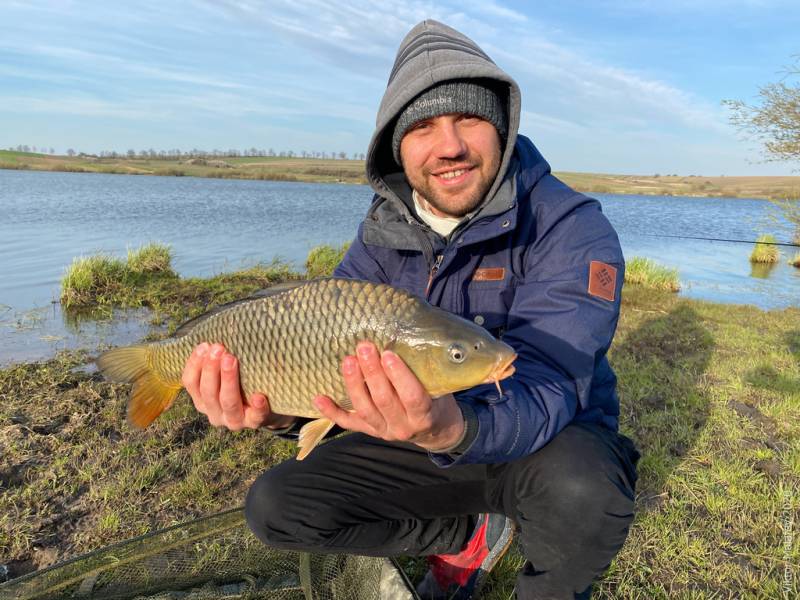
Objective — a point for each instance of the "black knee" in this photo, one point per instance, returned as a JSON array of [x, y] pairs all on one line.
[[268, 511], [580, 477]]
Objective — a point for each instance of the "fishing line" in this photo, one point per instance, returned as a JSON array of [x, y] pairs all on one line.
[[707, 239]]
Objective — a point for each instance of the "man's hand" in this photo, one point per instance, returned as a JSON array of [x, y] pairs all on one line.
[[211, 377], [390, 403]]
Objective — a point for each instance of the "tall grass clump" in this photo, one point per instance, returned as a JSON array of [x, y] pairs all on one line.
[[647, 273], [322, 260], [765, 251], [150, 258], [795, 260], [90, 279]]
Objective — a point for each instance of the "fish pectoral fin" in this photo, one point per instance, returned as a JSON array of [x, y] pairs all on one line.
[[311, 434]]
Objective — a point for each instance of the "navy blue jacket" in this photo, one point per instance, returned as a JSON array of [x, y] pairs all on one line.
[[524, 274]]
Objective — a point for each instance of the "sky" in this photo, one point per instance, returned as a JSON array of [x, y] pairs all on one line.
[[612, 86]]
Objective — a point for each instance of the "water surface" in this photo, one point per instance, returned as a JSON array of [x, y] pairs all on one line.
[[215, 225]]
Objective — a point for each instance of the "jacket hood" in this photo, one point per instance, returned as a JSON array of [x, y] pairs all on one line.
[[432, 53]]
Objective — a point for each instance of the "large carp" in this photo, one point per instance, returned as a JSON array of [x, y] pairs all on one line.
[[290, 341]]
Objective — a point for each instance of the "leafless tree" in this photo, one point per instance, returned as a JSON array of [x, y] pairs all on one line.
[[774, 119]]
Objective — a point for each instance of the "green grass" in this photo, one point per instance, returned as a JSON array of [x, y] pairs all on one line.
[[764, 250], [150, 258], [92, 279], [322, 260], [710, 393], [146, 279], [649, 274]]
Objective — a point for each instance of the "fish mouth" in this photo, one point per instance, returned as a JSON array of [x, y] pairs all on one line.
[[502, 371]]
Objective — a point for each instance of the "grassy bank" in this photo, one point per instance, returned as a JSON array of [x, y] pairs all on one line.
[[709, 392], [352, 171], [146, 279]]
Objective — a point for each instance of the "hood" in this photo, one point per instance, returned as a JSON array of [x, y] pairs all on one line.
[[430, 54]]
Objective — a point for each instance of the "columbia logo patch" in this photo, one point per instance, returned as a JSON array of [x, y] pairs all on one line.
[[490, 274], [602, 280]]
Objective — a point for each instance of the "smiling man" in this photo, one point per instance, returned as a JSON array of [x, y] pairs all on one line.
[[467, 215]]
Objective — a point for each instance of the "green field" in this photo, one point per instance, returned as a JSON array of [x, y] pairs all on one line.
[[352, 171], [709, 392]]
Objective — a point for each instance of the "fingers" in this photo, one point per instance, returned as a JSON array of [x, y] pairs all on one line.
[[381, 391], [416, 401], [256, 411], [360, 395], [211, 377], [344, 419], [230, 396], [209, 384], [191, 375]]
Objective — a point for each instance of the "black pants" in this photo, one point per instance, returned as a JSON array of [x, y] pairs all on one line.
[[572, 501]]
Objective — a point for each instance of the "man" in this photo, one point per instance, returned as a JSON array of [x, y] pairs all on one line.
[[467, 215]]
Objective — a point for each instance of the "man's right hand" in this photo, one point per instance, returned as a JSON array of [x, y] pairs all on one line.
[[211, 377]]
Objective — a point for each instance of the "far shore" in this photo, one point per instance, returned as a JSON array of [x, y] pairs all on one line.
[[318, 170]]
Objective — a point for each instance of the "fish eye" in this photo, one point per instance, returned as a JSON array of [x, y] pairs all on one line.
[[457, 353]]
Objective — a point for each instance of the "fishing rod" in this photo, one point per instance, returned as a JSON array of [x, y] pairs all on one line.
[[707, 239]]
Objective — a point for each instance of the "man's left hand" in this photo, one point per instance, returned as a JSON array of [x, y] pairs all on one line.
[[390, 403]]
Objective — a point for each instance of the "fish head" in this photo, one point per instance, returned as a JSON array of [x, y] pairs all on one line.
[[449, 354]]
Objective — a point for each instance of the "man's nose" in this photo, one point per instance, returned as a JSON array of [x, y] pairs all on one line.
[[449, 142]]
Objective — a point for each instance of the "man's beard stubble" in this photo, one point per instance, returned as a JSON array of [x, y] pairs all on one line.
[[466, 204]]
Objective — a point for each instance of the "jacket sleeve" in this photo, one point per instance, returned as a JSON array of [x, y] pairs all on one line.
[[358, 263], [560, 332]]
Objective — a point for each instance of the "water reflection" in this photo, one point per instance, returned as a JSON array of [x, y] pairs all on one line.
[[762, 270], [41, 332]]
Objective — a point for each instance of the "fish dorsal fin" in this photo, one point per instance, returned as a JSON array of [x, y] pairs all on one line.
[[278, 288], [273, 290]]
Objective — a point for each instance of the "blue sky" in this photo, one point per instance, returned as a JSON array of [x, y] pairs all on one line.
[[617, 86]]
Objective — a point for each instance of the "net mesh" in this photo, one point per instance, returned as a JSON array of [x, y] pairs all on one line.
[[210, 558]]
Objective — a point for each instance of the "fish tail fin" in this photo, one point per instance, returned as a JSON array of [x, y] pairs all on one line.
[[151, 395], [311, 434]]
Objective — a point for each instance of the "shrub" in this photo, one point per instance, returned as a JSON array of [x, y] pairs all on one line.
[[647, 273], [150, 258], [765, 251], [90, 278], [795, 260], [322, 260]]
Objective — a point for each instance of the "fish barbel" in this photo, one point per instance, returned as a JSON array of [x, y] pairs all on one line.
[[290, 341]]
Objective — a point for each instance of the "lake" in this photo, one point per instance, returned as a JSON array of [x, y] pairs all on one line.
[[216, 225]]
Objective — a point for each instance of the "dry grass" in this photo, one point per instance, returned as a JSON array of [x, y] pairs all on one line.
[[765, 250], [647, 273], [352, 171]]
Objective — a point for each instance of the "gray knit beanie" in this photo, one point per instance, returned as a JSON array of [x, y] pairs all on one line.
[[455, 96]]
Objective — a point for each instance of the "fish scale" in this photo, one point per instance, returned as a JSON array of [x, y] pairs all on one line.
[[290, 344]]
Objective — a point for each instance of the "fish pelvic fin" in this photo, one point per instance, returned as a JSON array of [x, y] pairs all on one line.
[[150, 395], [310, 435]]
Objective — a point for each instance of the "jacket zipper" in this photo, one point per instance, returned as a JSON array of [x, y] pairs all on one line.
[[434, 270]]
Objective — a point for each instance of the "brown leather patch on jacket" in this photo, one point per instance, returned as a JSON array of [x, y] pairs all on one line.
[[602, 280], [490, 274]]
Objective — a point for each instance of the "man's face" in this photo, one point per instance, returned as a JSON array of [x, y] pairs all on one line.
[[451, 160]]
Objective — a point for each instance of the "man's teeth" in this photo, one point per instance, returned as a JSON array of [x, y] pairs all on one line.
[[452, 174]]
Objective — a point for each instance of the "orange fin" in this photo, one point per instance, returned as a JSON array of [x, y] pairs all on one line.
[[310, 435], [150, 396]]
